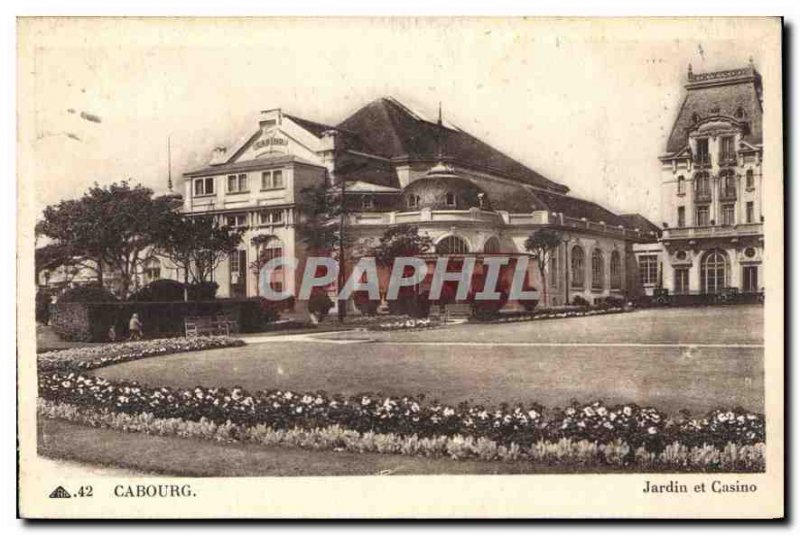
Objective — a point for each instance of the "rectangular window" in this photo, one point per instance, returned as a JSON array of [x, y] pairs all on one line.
[[728, 217], [203, 186], [749, 209], [702, 216], [450, 199], [681, 216], [749, 181], [750, 279], [272, 179], [726, 150], [367, 203], [681, 280], [681, 185], [648, 269], [237, 221], [271, 217], [702, 151], [237, 183], [554, 277]]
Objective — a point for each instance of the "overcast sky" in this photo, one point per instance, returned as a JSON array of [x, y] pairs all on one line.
[[588, 105]]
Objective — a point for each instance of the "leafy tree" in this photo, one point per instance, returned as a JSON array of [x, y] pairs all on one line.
[[543, 244], [320, 226], [400, 241], [195, 245], [112, 226]]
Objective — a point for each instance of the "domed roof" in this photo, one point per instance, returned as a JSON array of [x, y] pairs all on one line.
[[443, 189]]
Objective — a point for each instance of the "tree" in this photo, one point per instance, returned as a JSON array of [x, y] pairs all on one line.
[[542, 244], [321, 226], [111, 226], [400, 241], [195, 245]]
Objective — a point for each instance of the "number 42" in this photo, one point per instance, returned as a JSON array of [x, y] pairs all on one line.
[[84, 492]]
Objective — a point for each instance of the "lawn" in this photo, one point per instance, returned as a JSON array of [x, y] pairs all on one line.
[[670, 377]]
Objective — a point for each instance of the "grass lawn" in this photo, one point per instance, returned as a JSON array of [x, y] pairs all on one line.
[[179, 457], [669, 378]]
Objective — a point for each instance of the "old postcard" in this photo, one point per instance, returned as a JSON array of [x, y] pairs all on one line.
[[400, 268]]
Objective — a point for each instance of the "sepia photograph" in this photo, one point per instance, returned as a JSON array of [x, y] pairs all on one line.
[[289, 253]]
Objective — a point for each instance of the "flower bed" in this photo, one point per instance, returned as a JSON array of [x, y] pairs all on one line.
[[509, 317], [567, 452], [405, 324], [635, 426], [96, 356]]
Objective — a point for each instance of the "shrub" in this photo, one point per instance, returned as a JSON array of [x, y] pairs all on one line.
[[203, 291], [87, 294], [163, 290], [580, 301], [365, 305]]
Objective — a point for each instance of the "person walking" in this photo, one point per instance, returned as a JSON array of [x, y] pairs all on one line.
[[135, 327]]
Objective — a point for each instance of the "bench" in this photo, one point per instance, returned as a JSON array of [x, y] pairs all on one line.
[[209, 325]]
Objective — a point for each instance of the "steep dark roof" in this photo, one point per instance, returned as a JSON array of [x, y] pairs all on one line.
[[634, 221], [315, 128], [357, 168], [387, 128], [578, 208], [719, 93]]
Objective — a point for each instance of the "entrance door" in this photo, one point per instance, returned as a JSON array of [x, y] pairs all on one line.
[[681, 281], [238, 262]]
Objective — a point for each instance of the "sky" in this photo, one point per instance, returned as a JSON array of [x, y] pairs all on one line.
[[588, 104]]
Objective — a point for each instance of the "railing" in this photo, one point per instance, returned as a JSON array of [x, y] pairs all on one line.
[[702, 195], [746, 229]]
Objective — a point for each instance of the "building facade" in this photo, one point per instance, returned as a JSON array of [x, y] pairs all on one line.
[[711, 183], [400, 167]]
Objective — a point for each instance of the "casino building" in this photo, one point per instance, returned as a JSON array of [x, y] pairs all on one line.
[[711, 183], [400, 167]]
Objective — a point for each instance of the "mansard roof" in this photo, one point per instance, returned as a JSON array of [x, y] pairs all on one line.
[[724, 94], [389, 129]]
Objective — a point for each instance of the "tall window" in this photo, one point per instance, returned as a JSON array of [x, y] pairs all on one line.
[[648, 269], [726, 150], [681, 185], [450, 199], [728, 217], [702, 185], [702, 151], [681, 216], [597, 269], [749, 211], [702, 218], [452, 245], [714, 272], [727, 184], [749, 181], [577, 267], [554, 272], [272, 179], [413, 201], [203, 186], [681, 280], [616, 271], [750, 279]]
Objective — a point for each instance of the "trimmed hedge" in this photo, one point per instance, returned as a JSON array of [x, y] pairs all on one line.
[[90, 322]]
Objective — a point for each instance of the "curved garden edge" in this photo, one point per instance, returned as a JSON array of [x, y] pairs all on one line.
[[565, 452]]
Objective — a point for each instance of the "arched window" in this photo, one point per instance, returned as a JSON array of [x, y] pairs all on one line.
[[492, 245], [616, 271], [452, 245], [702, 185], [577, 267], [714, 272], [597, 269]]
